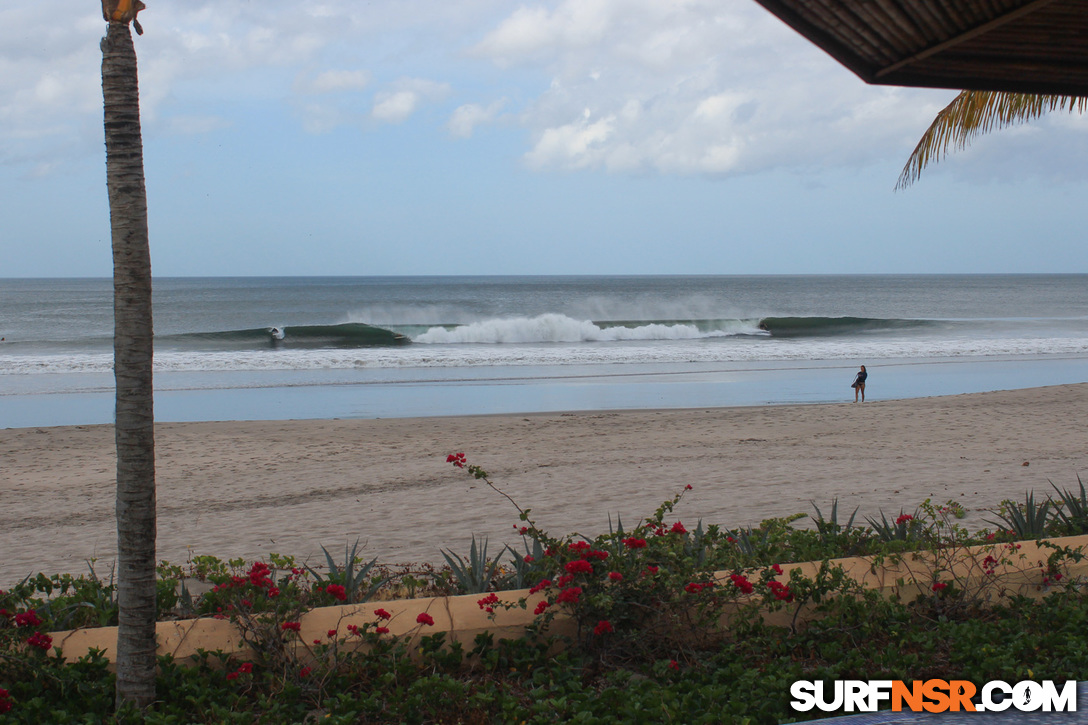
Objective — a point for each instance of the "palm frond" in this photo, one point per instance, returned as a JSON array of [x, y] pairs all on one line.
[[973, 113]]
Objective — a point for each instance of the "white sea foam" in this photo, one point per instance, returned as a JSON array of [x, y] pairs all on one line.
[[630, 351], [560, 328]]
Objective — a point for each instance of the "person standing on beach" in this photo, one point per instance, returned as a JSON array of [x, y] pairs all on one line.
[[859, 384]]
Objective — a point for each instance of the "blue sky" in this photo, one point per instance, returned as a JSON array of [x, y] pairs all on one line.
[[486, 137]]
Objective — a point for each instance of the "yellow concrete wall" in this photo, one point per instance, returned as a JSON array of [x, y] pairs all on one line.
[[462, 618]]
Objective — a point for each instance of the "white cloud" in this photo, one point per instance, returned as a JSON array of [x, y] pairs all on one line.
[[466, 118], [693, 86], [334, 81], [397, 104]]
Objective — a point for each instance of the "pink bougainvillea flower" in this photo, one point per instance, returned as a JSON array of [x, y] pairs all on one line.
[[904, 518], [457, 459], [678, 528], [579, 566], [569, 596], [337, 591], [578, 545], [632, 543], [741, 582], [564, 580], [41, 641], [544, 584], [273, 591], [382, 614], [28, 618], [938, 586], [291, 626], [615, 576], [602, 627], [305, 672], [232, 676], [382, 630], [541, 606], [245, 667], [776, 568], [674, 665], [425, 618], [488, 603]]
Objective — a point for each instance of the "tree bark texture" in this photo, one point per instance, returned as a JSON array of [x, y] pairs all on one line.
[[133, 341]]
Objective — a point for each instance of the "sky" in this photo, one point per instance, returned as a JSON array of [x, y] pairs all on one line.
[[418, 137]]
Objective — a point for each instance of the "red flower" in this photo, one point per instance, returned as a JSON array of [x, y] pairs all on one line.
[[331, 633], [457, 459], [425, 618], [382, 614], [304, 672], [777, 569], [353, 629], [292, 626], [579, 567], [904, 518], [578, 545], [678, 528], [602, 626], [938, 586], [273, 591], [564, 580], [41, 641], [5, 701], [544, 584], [541, 606], [597, 554], [615, 576], [687, 487], [337, 591], [633, 543], [651, 570], [781, 591], [246, 667], [741, 582], [487, 602], [232, 676], [569, 596], [382, 630], [27, 619], [674, 665]]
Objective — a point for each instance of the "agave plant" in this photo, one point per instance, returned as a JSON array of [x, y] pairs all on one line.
[[829, 527], [353, 580], [1072, 510], [905, 528], [1027, 521], [475, 574]]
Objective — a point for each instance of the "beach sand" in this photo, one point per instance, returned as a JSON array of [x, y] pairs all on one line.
[[246, 489]]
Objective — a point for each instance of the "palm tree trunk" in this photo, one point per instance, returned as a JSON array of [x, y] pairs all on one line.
[[134, 425]]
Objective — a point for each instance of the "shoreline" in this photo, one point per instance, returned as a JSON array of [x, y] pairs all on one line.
[[244, 489]]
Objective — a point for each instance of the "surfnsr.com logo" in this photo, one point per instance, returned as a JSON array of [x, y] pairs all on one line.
[[933, 696]]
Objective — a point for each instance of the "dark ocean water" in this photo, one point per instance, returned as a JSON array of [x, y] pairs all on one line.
[[248, 348]]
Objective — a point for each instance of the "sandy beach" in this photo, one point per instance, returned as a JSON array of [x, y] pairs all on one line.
[[246, 489]]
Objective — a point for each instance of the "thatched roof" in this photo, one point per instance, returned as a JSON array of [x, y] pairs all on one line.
[[1034, 46]]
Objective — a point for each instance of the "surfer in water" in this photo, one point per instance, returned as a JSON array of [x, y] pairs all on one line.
[[277, 333], [859, 384]]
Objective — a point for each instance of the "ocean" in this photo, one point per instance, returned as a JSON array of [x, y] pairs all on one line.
[[248, 348]]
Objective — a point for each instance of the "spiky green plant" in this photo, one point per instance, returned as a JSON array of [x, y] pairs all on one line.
[[358, 585], [1072, 509], [475, 574], [1026, 521]]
